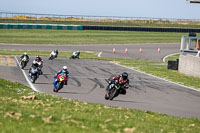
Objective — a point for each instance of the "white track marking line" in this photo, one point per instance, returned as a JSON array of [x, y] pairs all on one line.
[[168, 56], [29, 82], [156, 77]]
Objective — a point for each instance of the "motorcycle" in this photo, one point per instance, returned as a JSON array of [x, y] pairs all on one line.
[[33, 74], [52, 56], [75, 55], [23, 62], [113, 90], [40, 65], [61, 80]]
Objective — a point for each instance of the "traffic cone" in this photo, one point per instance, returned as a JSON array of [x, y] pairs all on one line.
[[126, 50], [158, 50], [140, 50], [113, 50]]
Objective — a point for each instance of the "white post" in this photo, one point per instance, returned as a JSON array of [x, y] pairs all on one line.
[[182, 44], [189, 43]]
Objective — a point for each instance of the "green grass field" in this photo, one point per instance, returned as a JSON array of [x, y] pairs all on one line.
[[36, 36], [22, 111]]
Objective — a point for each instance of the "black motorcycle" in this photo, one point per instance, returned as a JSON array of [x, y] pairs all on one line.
[[23, 62], [112, 90]]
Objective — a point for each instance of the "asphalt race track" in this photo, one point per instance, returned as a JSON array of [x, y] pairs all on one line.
[[149, 51], [87, 82]]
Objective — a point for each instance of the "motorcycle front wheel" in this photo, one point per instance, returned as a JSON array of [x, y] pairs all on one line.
[[113, 93], [58, 87], [22, 65]]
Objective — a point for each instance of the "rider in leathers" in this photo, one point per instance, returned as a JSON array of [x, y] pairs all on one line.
[[38, 60], [65, 72], [55, 53], [24, 55], [122, 80], [76, 54]]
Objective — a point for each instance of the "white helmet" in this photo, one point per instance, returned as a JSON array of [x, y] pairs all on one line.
[[64, 68], [25, 53]]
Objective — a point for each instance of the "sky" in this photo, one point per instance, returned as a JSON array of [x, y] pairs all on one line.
[[180, 9]]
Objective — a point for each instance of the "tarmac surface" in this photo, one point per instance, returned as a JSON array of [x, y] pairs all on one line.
[[148, 51], [87, 79]]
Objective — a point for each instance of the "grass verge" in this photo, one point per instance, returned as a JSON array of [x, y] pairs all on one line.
[[37, 36], [87, 55], [22, 111]]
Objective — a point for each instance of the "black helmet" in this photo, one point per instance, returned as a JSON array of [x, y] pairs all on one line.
[[125, 76]]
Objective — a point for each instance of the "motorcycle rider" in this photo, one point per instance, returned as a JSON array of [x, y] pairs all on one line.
[[24, 55], [55, 53], [34, 66], [76, 54], [38, 60], [64, 73], [122, 80]]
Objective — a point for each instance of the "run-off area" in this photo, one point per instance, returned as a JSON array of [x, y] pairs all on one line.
[[7, 61]]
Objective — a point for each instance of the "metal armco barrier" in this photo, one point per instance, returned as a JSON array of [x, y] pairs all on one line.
[[141, 29], [40, 26]]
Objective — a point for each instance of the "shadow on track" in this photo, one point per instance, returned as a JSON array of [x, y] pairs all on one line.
[[48, 74], [124, 101], [72, 92], [43, 83]]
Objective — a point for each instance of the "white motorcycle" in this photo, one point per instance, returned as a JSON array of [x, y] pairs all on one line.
[[53, 55]]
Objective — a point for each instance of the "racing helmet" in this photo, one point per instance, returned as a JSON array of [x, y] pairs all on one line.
[[38, 58], [125, 75], [64, 68], [25, 53]]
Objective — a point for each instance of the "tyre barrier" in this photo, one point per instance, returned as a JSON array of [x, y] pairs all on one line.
[[40, 26], [148, 29], [173, 65]]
